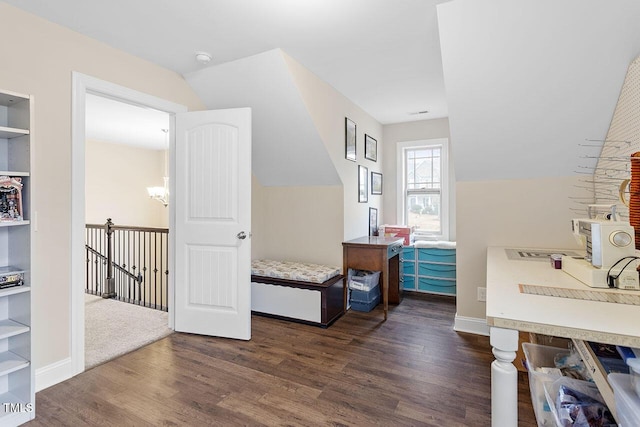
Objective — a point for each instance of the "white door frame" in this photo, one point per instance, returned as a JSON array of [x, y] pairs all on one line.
[[81, 85]]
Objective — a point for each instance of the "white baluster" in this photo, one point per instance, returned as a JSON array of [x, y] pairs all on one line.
[[504, 378]]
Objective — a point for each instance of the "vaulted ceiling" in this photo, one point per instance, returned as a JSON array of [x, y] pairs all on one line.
[[383, 55]]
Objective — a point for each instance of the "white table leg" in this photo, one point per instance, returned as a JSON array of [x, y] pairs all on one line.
[[504, 378]]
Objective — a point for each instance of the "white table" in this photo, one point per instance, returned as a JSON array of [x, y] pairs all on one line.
[[510, 311]]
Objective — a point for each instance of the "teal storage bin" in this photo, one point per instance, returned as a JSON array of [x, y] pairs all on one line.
[[409, 253], [437, 270], [437, 255], [409, 267], [440, 286], [409, 283]]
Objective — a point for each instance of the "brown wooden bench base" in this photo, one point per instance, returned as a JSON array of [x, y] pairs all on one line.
[[318, 304]]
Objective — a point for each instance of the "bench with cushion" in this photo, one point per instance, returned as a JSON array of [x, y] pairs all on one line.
[[298, 291]]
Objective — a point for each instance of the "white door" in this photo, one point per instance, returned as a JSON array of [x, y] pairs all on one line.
[[212, 223]]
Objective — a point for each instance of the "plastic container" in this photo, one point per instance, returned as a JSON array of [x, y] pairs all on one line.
[[362, 300], [365, 306], [541, 356], [365, 296], [627, 401], [634, 370], [363, 280]]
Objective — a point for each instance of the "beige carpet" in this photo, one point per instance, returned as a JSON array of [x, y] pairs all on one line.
[[113, 328]]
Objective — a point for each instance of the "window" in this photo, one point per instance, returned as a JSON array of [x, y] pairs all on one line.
[[423, 177]]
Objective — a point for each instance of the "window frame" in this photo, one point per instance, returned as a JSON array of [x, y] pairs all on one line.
[[402, 147]]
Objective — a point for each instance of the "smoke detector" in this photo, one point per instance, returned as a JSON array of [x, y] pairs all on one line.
[[203, 57]]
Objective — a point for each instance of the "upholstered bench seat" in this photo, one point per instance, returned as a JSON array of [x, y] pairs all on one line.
[[302, 271]]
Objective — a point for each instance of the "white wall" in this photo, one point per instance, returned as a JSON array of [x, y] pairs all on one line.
[[286, 148], [116, 181], [413, 131], [297, 223], [305, 194], [39, 58], [527, 81], [328, 108]]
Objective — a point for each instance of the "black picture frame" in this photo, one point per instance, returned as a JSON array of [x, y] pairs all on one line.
[[376, 183], [370, 148], [350, 136], [363, 184], [373, 222]]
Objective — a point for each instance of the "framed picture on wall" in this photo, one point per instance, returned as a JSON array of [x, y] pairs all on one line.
[[376, 183], [349, 139], [370, 148], [373, 222], [363, 184]]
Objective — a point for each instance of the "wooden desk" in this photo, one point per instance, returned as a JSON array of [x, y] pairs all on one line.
[[510, 311], [376, 254]]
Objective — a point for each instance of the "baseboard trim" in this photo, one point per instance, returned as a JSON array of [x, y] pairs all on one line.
[[54, 374], [471, 325]]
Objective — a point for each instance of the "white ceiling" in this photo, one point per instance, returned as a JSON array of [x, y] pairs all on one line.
[[113, 121], [546, 77], [384, 55]]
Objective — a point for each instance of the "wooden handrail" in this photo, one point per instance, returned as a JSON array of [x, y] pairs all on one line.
[[130, 228]]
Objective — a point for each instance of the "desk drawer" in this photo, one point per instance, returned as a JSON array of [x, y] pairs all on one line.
[[394, 250], [441, 286], [437, 255], [437, 270]]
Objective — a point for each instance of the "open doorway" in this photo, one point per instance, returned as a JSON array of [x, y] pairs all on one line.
[[84, 87], [126, 153]]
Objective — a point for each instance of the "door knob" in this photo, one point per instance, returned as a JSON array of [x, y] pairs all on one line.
[[241, 235]]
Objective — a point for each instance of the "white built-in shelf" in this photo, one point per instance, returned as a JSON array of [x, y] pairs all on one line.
[[10, 328], [14, 173], [17, 388], [14, 223], [8, 98], [11, 362], [4, 413], [8, 133], [14, 290]]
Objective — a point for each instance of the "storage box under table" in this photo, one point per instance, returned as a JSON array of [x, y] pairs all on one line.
[[363, 280], [364, 300], [627, 400], [541, 356]]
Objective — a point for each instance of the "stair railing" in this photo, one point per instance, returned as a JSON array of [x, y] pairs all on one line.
[[128, 264]]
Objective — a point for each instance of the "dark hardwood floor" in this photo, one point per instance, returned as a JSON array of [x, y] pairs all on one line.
[[412, 369]]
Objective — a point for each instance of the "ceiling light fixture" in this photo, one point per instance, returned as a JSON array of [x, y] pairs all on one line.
[[203, 57]]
